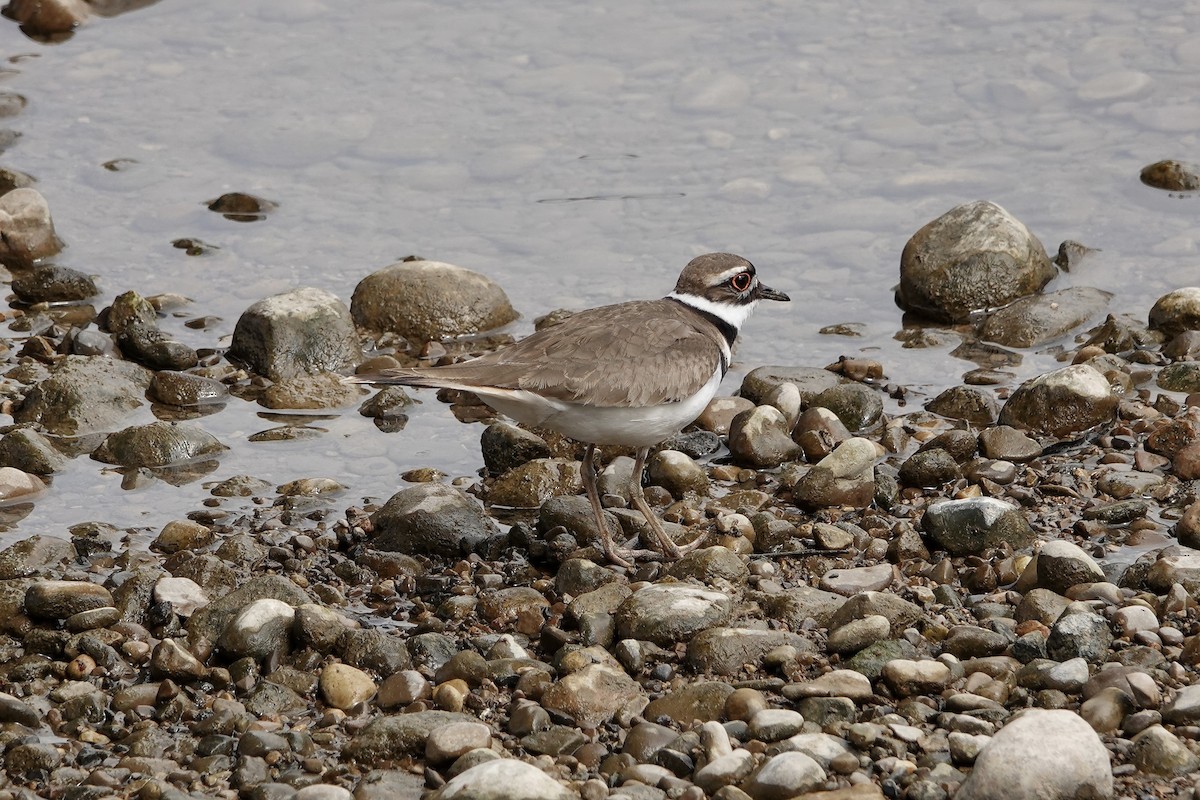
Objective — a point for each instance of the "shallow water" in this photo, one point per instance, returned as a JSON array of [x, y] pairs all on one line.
[[581, 155]]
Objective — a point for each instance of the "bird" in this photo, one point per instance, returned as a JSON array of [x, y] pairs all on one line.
[[630, 374]]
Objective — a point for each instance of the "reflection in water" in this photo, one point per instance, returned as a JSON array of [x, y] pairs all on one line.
[[10, 515]]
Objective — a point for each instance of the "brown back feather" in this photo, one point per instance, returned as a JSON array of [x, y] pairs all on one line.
[[663, 352]]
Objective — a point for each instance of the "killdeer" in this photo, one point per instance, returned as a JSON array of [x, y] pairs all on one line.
[[630, 374]]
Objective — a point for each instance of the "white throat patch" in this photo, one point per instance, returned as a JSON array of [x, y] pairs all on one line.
[[731, 315]]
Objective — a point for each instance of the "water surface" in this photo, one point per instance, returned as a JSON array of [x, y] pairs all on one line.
[[581, 155]]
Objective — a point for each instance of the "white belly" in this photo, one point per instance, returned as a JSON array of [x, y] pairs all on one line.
[[614, 425]]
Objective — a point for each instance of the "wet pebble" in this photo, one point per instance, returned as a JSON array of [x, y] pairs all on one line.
[[845, 477], [506, 447], [669, 613], [62, 599], [718, 415], [973, 524], [53, 283], [343, 686], [761, 438], [259, 630], [15, 484], [856, 580], [810, 381], [857, 634], [965, 403], [784, 776], [30, 451], [157, 444], [25, 224], [1158, 751], [592, 695], [1061, 403], [430, 518], [186, 389], [1008, 443], [534, 482], [1062, 564], [1177, 311]]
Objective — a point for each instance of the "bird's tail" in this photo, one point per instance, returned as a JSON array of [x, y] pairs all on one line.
[[404, 376]]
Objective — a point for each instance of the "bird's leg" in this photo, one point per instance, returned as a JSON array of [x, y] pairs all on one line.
[[593, 494], [666, 545]]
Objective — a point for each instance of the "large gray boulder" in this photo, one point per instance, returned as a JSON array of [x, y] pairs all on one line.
[[1049, 755], [973, 257], [303, 331]]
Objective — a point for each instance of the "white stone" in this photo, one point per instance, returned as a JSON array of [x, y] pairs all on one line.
[[1135, 618], [1047, 755], [724, 771], [503, 779], [184, 595], [785, 776], [820, 747], [773, 724], [15, 483]]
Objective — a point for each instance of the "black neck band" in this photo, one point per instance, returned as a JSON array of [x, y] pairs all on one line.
[[730, 332]]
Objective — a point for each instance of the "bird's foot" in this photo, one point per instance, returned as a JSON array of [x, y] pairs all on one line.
[[628, 557]]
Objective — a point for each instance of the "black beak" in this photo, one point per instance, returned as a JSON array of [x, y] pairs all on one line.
[[767, 293]]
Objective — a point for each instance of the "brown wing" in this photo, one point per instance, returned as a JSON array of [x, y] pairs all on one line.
[[632, 354]]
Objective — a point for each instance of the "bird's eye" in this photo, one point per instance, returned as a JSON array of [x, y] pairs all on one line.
[[741, 282]]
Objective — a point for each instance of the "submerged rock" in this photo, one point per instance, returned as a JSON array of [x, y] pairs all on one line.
[[158, 444], [53, 283], [1171, 175], [316, 391], [1037, 319], [186, 389]]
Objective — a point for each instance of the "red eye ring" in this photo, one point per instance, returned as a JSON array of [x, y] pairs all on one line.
[[741, 282]]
